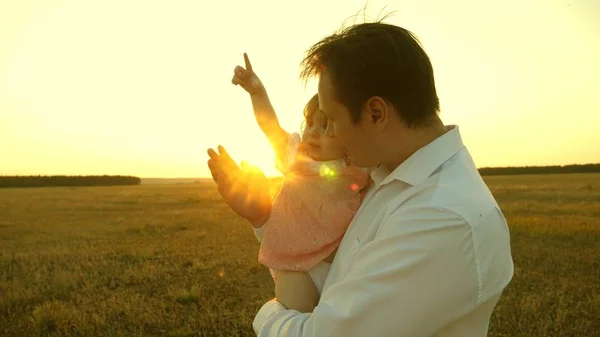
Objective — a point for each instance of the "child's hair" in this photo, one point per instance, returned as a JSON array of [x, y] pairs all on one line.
[[310, 108]]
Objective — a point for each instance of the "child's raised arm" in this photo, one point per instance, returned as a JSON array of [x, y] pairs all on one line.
[[263, 110]]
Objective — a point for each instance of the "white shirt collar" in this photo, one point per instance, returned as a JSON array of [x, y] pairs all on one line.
[[421, 164]]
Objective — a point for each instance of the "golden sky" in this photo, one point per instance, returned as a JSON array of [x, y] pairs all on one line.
[[143, 88]]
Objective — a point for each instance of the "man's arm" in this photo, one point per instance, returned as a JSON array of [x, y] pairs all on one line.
[[416, 276]]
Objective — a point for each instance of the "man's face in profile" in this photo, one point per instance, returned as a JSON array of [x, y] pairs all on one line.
[[354, 137]]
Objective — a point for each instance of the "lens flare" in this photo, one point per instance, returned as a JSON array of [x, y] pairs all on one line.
[[327, 172]]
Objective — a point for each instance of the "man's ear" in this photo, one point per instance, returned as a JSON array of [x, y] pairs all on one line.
[[377, 112]]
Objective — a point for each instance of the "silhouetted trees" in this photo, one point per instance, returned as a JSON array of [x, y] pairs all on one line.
[[41, 181], [106, 180], [585, 168]]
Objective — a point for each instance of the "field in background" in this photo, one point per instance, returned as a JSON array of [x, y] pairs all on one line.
[[173, 260]]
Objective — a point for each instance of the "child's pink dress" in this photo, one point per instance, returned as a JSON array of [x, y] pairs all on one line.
[[312, 211]]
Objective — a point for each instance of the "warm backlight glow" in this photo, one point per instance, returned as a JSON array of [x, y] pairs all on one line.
[[143, 87]]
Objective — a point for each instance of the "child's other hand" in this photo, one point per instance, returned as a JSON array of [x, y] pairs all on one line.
[[245, 189], [246, 78]]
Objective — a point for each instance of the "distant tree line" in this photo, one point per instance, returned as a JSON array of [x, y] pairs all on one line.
[[41, 181], [584, 168], [106, 180]]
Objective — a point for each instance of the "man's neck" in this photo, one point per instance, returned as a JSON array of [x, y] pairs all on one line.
[[410, 140]]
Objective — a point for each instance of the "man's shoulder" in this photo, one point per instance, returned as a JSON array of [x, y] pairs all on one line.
[[464, 197]]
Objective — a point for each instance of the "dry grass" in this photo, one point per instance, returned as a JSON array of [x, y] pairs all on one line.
[[172, 260]]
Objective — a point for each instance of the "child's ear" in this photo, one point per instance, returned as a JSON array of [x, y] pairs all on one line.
[[347, 159]]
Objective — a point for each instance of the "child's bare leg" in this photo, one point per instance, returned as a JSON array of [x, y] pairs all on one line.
[[296, 290]]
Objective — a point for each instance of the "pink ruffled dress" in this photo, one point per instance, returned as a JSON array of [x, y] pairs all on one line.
[[312, 211]]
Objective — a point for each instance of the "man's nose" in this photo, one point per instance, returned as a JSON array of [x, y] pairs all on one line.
[[329, 130]]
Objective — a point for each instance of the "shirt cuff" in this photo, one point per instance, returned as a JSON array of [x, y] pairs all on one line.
[[259, 233], [265, 312]]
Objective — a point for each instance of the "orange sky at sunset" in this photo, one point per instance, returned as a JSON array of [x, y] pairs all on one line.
[[143, 87]]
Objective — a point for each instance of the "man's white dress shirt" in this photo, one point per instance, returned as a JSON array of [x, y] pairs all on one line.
[[427, 254]]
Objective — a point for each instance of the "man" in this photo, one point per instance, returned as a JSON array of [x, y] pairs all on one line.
[[428, 252]]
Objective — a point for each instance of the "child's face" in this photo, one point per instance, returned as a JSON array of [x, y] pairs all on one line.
[[319, 143]]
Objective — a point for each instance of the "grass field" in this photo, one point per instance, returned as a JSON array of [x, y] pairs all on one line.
[[173, 260]]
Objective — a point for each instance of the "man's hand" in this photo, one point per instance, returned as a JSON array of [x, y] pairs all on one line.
[[247, 79], [245, 189]]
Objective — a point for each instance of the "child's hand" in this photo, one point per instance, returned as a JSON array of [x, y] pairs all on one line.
[[245, 189], [246, 78]]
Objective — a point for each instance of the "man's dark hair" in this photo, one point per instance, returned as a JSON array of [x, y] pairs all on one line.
[[377, 59]]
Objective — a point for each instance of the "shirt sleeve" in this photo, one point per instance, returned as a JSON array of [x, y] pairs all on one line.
[[284, 164], [417, 275], [259, 233]]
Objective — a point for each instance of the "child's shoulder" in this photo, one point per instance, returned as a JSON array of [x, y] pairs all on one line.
[[285, 163]]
